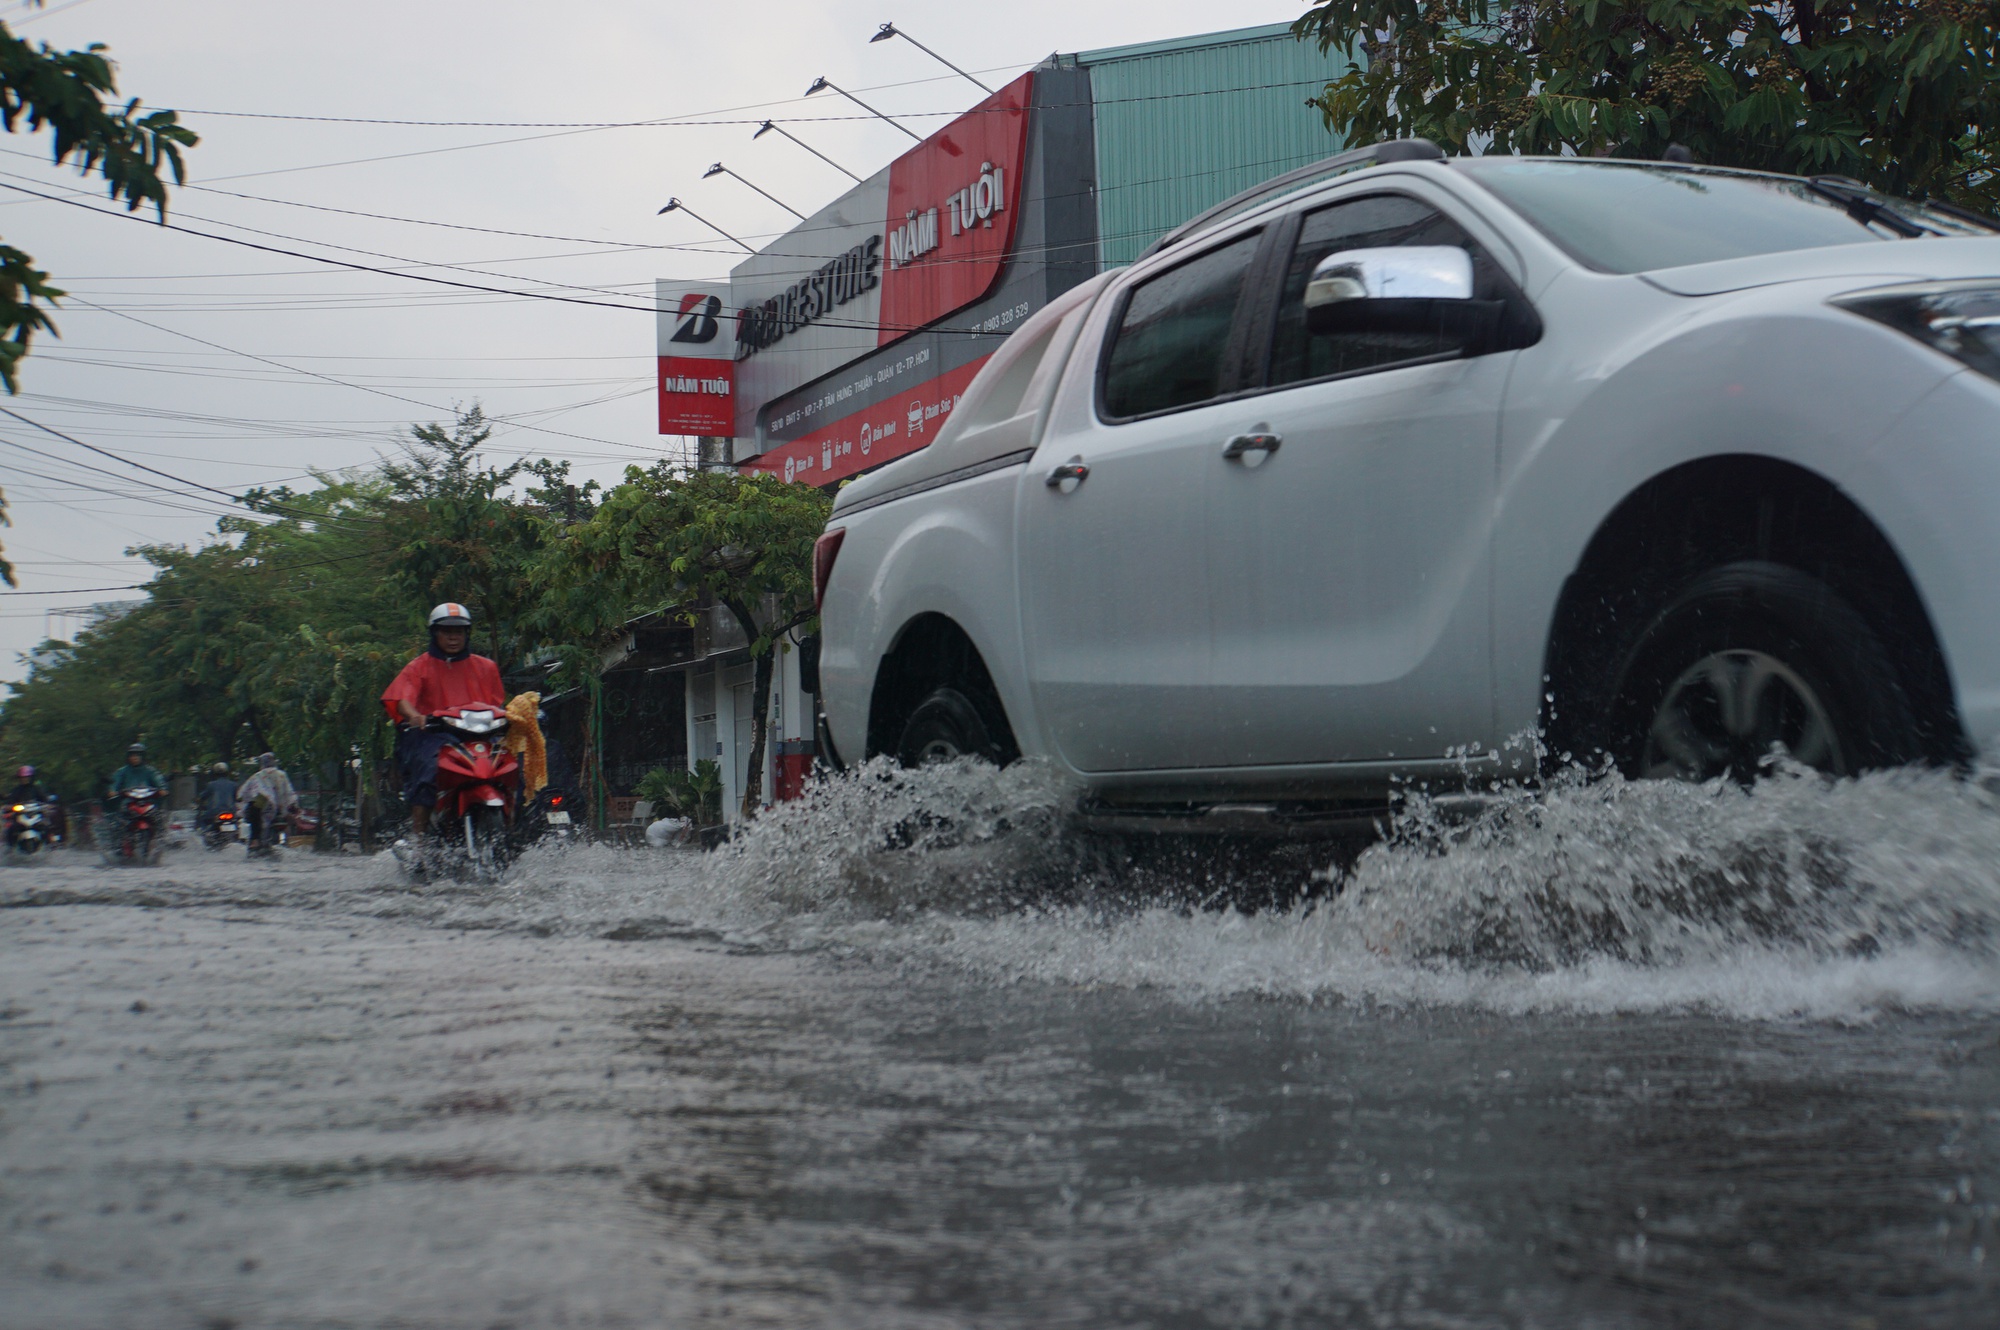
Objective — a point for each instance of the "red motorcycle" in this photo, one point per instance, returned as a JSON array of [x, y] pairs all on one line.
[[479, 788], [133, 827]]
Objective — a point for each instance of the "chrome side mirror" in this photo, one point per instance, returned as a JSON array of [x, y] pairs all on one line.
[[1401, 289], [1396, 272]]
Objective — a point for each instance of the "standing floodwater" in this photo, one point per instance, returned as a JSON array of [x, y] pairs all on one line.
[[911, 1056]]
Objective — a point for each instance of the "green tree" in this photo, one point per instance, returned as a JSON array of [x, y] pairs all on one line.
[[59, 719], [1897, 93], [282, 630], [278, 634], [64, 92], [668, 539], [466, 537]]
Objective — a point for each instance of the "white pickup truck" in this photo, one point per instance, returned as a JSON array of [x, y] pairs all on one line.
[[1363, 474]]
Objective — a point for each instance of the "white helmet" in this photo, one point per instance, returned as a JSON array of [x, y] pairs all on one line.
[[451, 614]]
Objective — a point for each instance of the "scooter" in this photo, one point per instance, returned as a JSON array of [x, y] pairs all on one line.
[[28, 830], [479, 786], [134, 840], [548, 817], [222, 829]]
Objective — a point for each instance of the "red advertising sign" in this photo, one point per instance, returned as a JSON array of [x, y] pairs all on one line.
[[697, 377], [954, 200], [697, 396], [872, 436]]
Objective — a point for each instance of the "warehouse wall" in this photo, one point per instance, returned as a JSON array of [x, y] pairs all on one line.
[[1182, 125]]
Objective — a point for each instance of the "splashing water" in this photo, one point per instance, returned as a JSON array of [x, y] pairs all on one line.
[[1798, 896], [889, 841]]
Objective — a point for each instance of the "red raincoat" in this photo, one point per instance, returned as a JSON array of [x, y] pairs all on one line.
[[431, 684]]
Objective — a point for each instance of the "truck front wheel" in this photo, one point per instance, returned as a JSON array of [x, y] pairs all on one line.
[[1754, 658]]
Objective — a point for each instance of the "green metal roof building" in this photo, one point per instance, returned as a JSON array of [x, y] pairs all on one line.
[[1181, 125]]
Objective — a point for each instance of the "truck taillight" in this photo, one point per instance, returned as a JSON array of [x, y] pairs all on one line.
[[824, 551]]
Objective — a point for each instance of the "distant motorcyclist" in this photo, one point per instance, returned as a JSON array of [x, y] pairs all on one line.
[[27, 790], [137, 773], [265, 797], [447, 675], [218, 796]]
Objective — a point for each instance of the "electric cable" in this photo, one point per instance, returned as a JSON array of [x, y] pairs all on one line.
[[690, 122], [105, 471], [233, 500], [114, 456], [328, 378], [814, 261]]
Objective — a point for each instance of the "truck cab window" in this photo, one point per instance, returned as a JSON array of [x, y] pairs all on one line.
[[1171, 340]]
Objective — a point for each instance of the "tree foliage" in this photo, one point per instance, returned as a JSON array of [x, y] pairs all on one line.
[[463, 536], [64, 92], [1897, 93], [282, 631], [671, 539]]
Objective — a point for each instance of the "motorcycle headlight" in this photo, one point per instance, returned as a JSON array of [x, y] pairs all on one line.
[[1961, 319]]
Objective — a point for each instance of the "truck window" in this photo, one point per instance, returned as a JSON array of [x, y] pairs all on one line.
[[1379, 219], [1168, 351]]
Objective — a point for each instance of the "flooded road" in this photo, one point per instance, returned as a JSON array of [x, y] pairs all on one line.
[[912, 1057]]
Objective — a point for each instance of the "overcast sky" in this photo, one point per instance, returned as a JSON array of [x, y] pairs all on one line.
[[351, 359]]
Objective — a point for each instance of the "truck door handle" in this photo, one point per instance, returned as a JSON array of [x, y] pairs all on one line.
[[1074, 469], [1262, 442]]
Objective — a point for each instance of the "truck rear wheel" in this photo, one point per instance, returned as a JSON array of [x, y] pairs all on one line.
[[946, 725]]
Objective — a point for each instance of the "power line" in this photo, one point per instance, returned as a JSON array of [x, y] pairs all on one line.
[[675, 122], [811, 261], [116, 494], [76, 201], [690, 122], [46, 13], [685, 117], [649, 309], [97, 470], [234, 500], [328, 378], [106, 452], [320, 258]]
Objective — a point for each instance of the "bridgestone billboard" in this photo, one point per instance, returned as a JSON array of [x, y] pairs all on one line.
[[855, 333]]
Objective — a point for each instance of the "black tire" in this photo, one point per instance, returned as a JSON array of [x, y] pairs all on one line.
[[1748, 655], [489, 840], [945, 726]]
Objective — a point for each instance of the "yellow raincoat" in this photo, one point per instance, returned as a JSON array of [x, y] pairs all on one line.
[[524, 737]]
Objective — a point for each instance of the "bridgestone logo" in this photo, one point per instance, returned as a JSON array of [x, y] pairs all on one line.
[[832, 285]]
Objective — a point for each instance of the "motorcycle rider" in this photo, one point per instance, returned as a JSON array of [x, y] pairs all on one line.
[[27, 790], [446, 675], [218, 796], [137, 773], [266, 796]]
